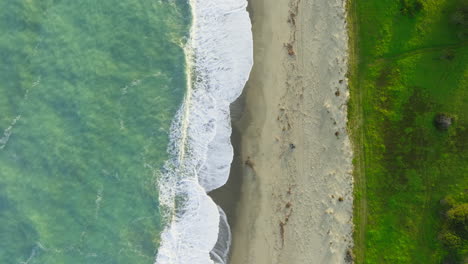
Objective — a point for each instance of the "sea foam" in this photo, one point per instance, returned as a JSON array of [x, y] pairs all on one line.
[[219, 59]]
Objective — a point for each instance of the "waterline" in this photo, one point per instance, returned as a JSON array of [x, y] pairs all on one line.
[[219, 57]]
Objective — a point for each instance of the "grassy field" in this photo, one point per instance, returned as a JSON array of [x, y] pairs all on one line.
[[409, 62]]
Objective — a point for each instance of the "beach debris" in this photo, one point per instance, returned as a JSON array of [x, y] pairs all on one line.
[[287, 208], [292, 146], [282, 224], [249, 163], [292, 18], [290, 49], [443, 121]]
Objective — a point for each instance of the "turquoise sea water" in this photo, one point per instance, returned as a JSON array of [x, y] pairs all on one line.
[[88, 90]]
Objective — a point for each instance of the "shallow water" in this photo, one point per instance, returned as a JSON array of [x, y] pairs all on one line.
[[87, 93]]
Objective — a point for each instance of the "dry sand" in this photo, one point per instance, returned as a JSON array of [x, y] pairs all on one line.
[[292, 172]]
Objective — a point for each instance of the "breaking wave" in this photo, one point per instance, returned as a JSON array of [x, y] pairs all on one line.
[[219, 57]]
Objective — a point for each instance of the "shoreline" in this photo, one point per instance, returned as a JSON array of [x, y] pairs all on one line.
[[199, 146], [290, 194]]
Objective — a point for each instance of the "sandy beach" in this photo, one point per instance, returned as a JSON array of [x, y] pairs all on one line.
[[289, 199]]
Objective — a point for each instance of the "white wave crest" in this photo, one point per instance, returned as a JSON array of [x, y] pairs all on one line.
[[219, 59], [220, 252]]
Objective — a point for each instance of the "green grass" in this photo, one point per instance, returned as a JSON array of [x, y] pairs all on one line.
[[406, 68]]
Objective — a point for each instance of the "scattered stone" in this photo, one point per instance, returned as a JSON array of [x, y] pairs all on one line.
[[337, 93], [292, 146], [288, 205], [340, 199], [443, 121], [341, 81], [337, 133]]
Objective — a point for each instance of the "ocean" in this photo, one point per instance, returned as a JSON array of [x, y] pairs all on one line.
[[114, 124]]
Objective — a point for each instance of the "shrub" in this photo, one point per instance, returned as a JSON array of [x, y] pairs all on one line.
[[411, 7], [454, 232], [458, 217], [450, 240], [460, 19]]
